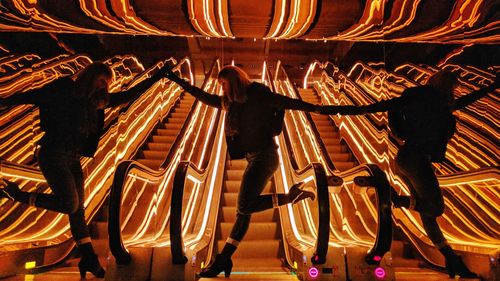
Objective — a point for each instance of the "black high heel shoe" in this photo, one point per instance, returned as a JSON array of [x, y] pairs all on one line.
[[220, 264], [91, 264], [456, 266], [297, 193]]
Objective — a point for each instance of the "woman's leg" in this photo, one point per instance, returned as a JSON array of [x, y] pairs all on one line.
[[417, 170], [268, 201], [261, 167], [79, 228], [64, 196]]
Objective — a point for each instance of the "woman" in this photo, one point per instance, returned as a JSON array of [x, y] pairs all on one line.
[[249, 129], [429, 124], [72, 117]]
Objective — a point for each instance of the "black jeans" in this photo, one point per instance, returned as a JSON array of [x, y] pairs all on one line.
[[261, 167], [416, 168], [64, 174]]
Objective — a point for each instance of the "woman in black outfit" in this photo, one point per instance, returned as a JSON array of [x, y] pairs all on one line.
[[250, 107], [429, 124], [72, 117]]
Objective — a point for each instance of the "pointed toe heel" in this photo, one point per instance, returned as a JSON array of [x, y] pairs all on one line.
[[220, 264]]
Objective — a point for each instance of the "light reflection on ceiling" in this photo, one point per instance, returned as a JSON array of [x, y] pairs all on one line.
[[464, 21]]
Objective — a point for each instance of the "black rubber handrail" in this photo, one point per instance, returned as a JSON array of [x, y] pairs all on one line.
[[117, 248], [176, 241], [321, 247], [121, 254], [383, 239]]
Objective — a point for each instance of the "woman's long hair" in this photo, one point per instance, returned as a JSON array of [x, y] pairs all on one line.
[[86, 92], [238, 81], [84, 83], [444, 81]]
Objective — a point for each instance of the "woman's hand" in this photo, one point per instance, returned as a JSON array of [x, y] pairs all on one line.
[[167, 72]]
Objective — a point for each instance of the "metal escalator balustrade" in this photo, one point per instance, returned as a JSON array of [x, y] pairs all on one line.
[[140, 199]]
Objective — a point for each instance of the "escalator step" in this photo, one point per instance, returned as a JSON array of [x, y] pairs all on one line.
[[341, 157], [331, 141], [234, 174], [155, 154], [179, 115], [332, 149], [183, 109], [256, 230], [230, 199], [176, 120], [342, 166], [167, 132], [159, 146], [234, 186], [236, 164], [255, 248], [153, 164], [164, 139], [176, 126]]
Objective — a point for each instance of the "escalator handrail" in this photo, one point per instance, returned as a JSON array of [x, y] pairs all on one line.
[[321, 248], [184, 169], [117, 247], [176, 242], [383, 239], [316, 169]]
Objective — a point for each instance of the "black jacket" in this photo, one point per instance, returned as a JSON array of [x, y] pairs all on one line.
[[62, 114], [251, 121]]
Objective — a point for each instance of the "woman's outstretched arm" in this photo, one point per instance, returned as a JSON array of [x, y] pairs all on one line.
[[468, 99], [280, 101], [380, 106], [132, 94], [204, 97], [38, 96]]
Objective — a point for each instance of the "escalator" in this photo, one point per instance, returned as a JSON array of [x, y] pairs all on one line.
[[156, 148], [338, 152]]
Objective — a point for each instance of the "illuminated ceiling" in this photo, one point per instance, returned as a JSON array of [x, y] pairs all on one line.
[[436, 21]]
